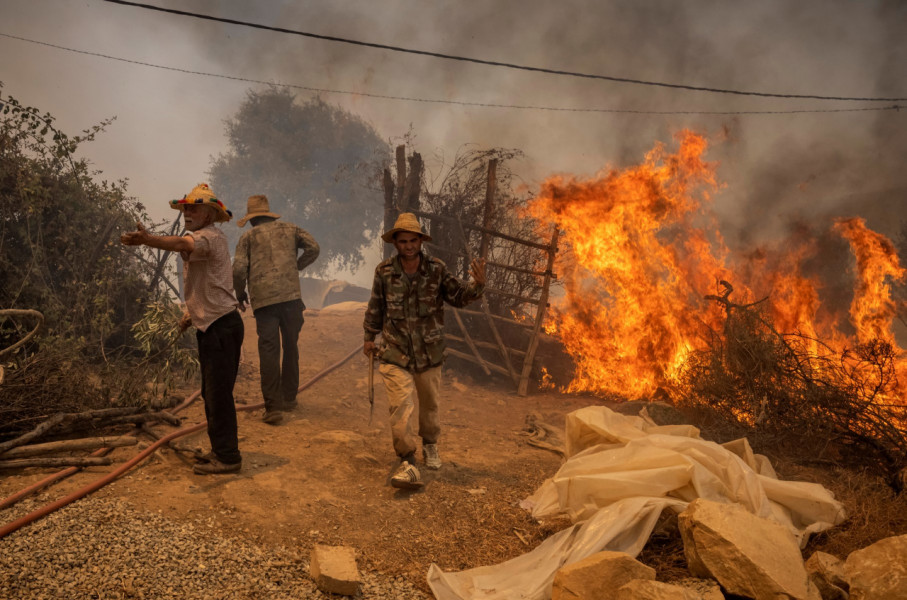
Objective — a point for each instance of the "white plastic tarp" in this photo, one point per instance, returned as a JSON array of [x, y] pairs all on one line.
[[621, 472]]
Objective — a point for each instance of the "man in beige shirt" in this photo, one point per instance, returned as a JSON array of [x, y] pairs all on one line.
[[211, 308], [266, 260]]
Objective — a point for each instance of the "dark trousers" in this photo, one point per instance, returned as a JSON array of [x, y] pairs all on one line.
[[218, 356], [278, 328]]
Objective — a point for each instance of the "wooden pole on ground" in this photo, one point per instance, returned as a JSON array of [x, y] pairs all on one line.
[[89, 461], [70, 445]]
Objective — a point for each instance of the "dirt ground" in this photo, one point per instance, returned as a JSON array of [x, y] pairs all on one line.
[[322, 475]]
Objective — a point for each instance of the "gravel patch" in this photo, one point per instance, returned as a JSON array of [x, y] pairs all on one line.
[[101, 548]]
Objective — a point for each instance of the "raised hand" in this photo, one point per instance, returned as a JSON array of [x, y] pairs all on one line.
[[477, 270]]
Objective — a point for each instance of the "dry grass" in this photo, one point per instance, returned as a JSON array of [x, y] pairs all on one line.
[[874, 510], [477, 522], [796, 395]]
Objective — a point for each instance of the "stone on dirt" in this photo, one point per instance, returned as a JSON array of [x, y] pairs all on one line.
[[339, 436], [334, 569], [879, 570], [707, 588], [598, 576], [749, 556], [827, 574]]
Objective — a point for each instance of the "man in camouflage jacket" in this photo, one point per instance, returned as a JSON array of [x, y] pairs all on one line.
[[266, 260], [407, 308]]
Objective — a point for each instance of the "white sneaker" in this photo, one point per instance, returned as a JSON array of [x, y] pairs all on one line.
[[431, 457], [406, 477]]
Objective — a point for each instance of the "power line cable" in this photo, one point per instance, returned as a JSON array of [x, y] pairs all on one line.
[[453, 102], [498, 63]]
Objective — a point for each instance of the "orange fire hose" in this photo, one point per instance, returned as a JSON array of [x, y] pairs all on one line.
[[98, 484]]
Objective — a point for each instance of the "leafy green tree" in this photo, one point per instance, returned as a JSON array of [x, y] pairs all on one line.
[[317, 164]]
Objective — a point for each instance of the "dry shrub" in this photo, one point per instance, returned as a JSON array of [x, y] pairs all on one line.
[[874, 511], [55, 372], [56, 375], [792, 394]]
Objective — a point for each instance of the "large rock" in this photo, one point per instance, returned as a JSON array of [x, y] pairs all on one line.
[[827, 574], [598, 577], [642, 589], [333, 568], [749, 556], [879, 571]]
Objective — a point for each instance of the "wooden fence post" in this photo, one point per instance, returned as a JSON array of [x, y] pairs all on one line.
[[390, 210], [413, 184], [523, 388], [401, 178]]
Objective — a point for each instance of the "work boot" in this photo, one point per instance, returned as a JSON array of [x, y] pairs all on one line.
[[206, 457], [215, 467], [406, 477], [430, 456], [273, 417]]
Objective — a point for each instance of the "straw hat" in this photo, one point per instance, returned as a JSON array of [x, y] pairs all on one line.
[[405, 222], [202, 194], [257, 206]]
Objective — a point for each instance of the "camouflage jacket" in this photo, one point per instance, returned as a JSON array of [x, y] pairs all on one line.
[[410, 314], [266, 260]]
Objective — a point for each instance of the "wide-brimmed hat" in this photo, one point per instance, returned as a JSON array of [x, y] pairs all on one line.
[[406, 222], [257, 206], [202, 194]]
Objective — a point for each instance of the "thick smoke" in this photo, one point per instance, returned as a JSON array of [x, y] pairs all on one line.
[[777, 168]]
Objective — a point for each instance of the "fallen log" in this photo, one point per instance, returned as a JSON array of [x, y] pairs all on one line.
[[69, 445], [88, 461], [68, 422], [132, 419], [34, 433], [139, 418]]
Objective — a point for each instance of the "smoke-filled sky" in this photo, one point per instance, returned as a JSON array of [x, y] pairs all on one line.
[[777, 168]]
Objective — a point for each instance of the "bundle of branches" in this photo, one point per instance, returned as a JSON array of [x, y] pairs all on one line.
[[54, 376], [793, 392], [22, 452]]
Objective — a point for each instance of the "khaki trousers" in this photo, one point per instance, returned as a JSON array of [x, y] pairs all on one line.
[[403, 387]]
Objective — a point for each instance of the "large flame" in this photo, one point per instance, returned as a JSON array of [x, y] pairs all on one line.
[[642, 252]]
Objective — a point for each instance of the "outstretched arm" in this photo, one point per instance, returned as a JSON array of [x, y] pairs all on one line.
[[141, 237]]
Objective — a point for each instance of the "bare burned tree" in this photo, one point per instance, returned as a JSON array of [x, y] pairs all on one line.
[[794, 392], [460, 193]]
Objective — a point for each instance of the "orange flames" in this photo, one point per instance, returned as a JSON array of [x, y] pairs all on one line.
[[641, 253]]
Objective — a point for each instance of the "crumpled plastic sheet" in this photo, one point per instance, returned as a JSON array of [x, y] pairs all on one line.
[[621, 472]]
